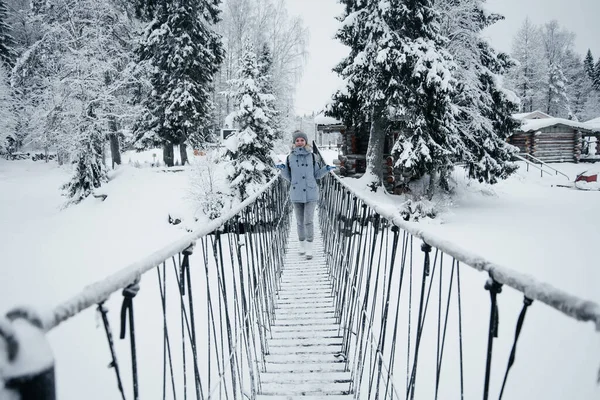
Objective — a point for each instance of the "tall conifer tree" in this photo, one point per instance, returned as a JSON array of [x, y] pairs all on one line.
[[251, 147], [400, 77], [484, 120], [184, 53], [588, 64]]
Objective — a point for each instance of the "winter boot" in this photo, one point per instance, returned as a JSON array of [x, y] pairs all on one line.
[[309, 250], [302, 247]]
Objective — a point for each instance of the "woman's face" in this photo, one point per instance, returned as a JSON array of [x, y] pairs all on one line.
[[300, 142]]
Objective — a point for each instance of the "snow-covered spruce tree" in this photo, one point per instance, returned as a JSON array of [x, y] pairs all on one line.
[[265, 82], [184, 54], [485, 107], [588, 64], [400, 75], [7, 42], [250, 148], [90, 172], [527, 78]]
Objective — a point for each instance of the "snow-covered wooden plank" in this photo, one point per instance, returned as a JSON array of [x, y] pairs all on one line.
[[272, 366], [299, 377], [306, 388], [304, 397]]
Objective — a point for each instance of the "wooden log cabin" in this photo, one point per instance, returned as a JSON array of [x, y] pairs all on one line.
[[550, 139]]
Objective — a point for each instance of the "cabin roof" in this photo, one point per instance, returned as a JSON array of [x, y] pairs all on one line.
[[537, 124]]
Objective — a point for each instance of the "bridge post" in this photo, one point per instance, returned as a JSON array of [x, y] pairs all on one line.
[[26, 360]]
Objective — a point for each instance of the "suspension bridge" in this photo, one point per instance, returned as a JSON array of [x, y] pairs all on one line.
[[380, 312]]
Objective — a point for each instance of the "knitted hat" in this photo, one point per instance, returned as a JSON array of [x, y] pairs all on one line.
[[299, 134]]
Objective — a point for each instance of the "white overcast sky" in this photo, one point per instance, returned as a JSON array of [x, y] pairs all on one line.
[[318, 82]]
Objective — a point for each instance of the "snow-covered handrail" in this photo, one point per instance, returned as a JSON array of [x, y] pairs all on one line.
[[535, 159], [573, 306], [99, 291]]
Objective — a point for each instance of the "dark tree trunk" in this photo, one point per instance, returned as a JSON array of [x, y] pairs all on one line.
[[168, 154], [183, 153], [115, 152], [376, 144]]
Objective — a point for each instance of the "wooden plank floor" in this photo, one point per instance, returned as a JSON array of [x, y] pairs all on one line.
[[304, 360]]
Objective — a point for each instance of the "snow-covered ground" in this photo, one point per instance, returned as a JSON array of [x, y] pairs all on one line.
[[48, 254]]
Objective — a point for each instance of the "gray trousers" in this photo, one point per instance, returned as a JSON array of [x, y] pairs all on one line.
[[305, 213]]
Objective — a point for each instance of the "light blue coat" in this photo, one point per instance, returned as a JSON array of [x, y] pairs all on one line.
[[303, 176]]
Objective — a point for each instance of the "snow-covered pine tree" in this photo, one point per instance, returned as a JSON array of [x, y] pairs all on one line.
[[184, 53], [588, 64], [250, 148], [7, 42], [527, 78], [401, 76], [265, 82], [485, 107]]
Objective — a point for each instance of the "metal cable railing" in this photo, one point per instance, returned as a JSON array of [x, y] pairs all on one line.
[[210, 317], [400, 291]]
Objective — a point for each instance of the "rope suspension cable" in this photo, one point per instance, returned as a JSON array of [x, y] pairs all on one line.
[[526, 303], [260, 301], [182, 318], [441, 347], [114, 364], [342, 255], [373, 230], [237, 313], [127, 309], [185, 266], [347, 271], [426, 270], [222, 322], [494, 288], [228, 319], [162, 282], [392, 359], [460, 337], [357, 273], [247, 333], [386, 305], [188, 324], [255, 308], [380, 224], [212, 322]]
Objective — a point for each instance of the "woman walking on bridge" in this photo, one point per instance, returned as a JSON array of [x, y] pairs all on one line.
[[302, 171]]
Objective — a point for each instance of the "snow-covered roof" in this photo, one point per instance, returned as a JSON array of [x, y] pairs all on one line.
[[321, 119], [537, 124], [594, 124], [537, 114]]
